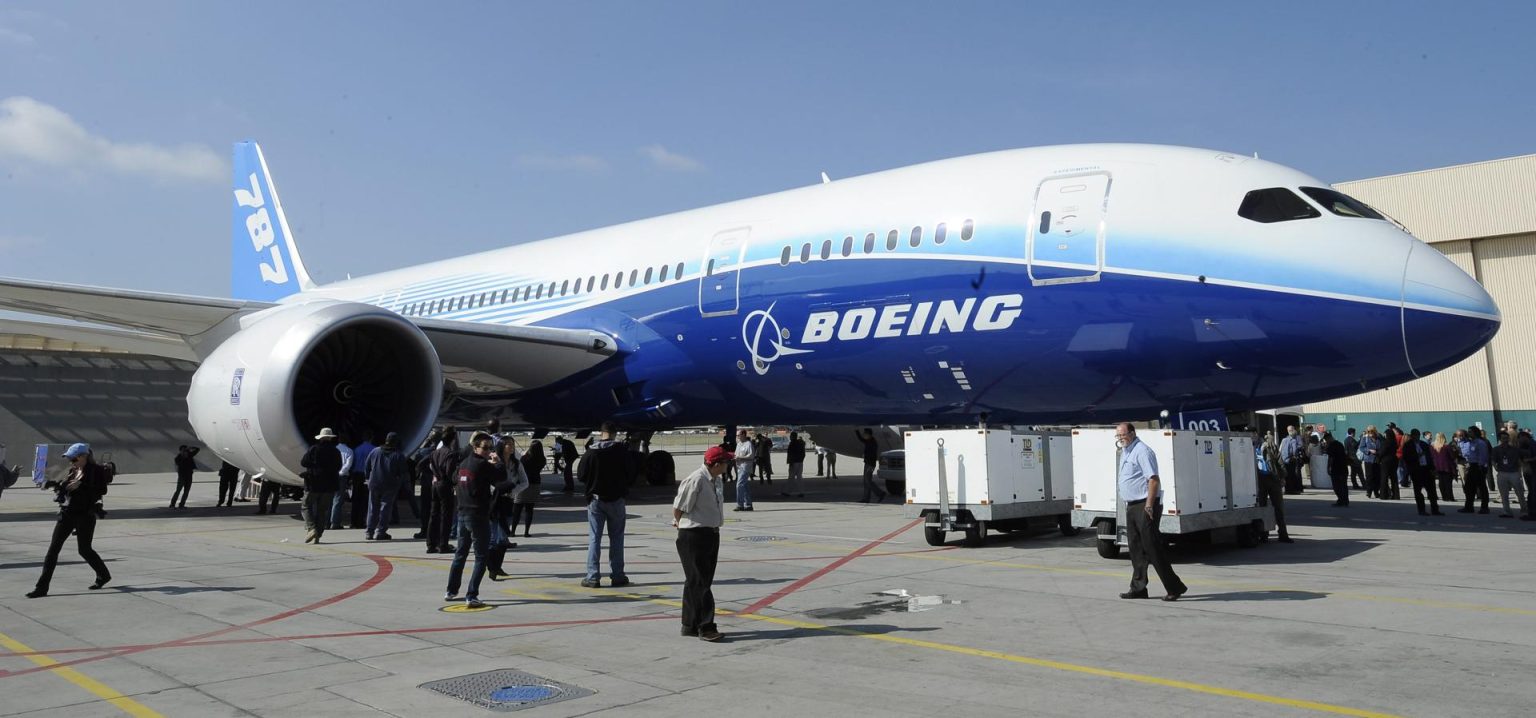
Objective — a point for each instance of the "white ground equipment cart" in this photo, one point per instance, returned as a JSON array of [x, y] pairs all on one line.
[[1209, 482], [972, 480]]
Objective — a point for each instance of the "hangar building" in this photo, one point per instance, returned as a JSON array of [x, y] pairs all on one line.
[[1481, 216]]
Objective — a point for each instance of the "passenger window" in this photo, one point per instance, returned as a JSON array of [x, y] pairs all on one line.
[[565, 286], [665, 267], [826, 249], [784, 257], [891, 240], [539, 292], [591, 282], [1276, 204], [916, 239], [633, 275], [679, 273], [847, 245], [648, 271], [967, 230], [805, 253], [869, 243], [605, 282], [940, 233], [1341, 204], [504, 294], [618, 280]]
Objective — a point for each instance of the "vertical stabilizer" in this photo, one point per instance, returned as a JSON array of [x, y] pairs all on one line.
[[264, 262]]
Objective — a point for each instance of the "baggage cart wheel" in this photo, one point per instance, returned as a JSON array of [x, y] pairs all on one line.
[[933, 535], [1064, 523], [976, 535], [1248, 536]]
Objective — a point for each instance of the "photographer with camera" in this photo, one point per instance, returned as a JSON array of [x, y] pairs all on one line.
[[76, 494]]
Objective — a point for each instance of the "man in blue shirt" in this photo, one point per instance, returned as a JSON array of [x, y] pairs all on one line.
[[1141, 490], [1474, 448]]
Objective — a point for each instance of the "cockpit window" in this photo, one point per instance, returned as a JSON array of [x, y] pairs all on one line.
[[1341, 204], [1276, 204]]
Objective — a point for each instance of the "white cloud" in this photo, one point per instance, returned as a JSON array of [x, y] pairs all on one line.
[[41, 134], [669, 160], [564, 163]]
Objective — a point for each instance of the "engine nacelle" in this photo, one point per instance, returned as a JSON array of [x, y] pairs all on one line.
[[261, 397]]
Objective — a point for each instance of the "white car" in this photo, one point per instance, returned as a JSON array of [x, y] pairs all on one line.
[[892, 469]]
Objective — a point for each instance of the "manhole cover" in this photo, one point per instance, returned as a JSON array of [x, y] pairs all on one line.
[[756, 539], [506, 690]]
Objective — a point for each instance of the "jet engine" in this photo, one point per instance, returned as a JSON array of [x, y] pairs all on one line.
[[260, 398]]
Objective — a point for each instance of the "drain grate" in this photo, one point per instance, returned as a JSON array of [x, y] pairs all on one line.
[[757, 539], [506, 690]]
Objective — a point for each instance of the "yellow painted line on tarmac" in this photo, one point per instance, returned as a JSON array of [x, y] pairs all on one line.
[[1089, 670], [95, 687]]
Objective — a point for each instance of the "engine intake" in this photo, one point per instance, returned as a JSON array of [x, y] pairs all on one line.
[[261, 397]]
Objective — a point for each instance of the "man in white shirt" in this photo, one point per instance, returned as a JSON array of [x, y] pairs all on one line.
[[697, 512], [1142, 492], [746, 459], [343, 493]]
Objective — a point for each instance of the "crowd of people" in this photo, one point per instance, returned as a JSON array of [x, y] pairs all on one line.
[[1382, 462]]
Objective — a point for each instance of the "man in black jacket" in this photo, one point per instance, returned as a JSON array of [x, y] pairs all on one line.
[[445, 471], [77, 495], [605, 471], [184, 468], [228, 475], [322, 477], [477, 475]]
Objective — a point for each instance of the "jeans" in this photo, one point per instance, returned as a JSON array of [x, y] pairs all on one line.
[[869, 484], [381, 509], [744, 484], [316, 506], [83, 524], [473, 530], [699, 550], [610, 514], [337, 502]]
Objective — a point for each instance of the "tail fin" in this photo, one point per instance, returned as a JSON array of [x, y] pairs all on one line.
[[265, 263]]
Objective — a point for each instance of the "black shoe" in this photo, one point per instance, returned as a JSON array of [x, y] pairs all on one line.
[[619, 582], [498, 574], [447, 548], [100, 581], [260, 511], [1482, 510], [1338, 503], [590, 583], [1463, 511], [1173, 596], [419, 535], [710, 634], [690, 632], [1423, 513], [36, 593], [1286, 539], [383, 537], [1436, 513], [1134, 594]]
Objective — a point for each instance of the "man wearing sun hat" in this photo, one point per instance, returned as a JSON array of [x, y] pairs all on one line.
[[698, 512], [322, 475], [77, 494]]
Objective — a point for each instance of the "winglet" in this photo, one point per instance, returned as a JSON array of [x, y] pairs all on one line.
[[264, 263]]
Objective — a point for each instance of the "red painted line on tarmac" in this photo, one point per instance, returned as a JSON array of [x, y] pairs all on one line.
[[382, 571], [770, 559], [824, 570]]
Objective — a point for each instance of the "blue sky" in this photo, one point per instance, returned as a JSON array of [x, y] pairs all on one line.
[[404, 132]]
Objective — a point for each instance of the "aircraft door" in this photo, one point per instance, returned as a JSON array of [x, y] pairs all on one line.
[[719, 283], [1065, 241]]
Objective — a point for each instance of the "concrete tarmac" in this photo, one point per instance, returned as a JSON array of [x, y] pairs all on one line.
[[830, 607]]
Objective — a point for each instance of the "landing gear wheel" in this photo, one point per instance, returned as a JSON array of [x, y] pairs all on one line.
[[1108, 548], [1064, 524], [933, 535], [976, 535]]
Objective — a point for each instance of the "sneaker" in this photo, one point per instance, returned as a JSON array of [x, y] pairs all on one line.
[[473, 603], [450, 597], [620, 582], [309, 537], [710, 634], [590, 583]]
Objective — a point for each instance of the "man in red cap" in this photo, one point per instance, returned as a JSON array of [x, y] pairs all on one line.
[[698, 512]]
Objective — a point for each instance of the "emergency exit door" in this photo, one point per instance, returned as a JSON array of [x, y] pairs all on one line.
[[719, 283], [1067, 230]]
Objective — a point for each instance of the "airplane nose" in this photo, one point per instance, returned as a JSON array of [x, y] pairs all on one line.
[[1447, 315]]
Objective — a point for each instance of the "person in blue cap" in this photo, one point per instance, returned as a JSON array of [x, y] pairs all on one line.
[[77, 494]]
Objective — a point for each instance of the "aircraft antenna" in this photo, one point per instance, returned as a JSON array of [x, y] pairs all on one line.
[[825, 179]]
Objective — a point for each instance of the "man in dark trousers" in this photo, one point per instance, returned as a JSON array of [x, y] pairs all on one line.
[[76, 494], [322, 478], [477, 474], [1391, 452], [421, 467], [387, 470], [1338, 467], [568, 450], [697, 512], [605, 471], [1478, 455], [1421, 472], [871, 461], [228, 475], [445, 472], [794, 460], [1142, 492], [184, 468]]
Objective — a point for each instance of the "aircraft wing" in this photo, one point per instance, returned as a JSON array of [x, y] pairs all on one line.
[[483, 356]]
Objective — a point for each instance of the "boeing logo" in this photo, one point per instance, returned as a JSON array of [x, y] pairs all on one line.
[[894, 320], [753, 327]]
